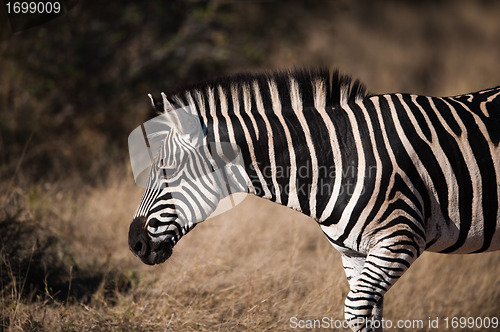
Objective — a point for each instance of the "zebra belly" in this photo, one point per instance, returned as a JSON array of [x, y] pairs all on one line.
[[441, 236]]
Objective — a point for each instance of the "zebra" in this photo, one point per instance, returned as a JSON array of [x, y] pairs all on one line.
[[385, 176]]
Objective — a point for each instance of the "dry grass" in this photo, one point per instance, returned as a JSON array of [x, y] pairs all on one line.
[[252, 268]]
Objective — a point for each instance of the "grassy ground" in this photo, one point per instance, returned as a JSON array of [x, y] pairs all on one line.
[[67, 195], [232, 272]]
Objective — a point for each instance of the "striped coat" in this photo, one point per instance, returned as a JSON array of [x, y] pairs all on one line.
[[385, 176]]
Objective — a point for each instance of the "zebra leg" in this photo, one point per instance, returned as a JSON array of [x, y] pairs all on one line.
[[353, 265], [378, 312], [383, 266]]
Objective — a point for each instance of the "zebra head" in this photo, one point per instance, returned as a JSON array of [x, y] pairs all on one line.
[[187, 180]]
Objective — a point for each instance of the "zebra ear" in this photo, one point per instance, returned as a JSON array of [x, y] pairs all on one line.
[[168, 110], [189, 126], [167, 106]]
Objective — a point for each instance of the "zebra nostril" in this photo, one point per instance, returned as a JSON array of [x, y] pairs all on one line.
[[154, 223], [138, 246], [137, 237]]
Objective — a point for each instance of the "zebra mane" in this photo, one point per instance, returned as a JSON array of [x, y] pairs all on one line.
[[319, 88]]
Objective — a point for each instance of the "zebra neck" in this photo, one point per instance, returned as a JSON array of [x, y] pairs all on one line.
[[294, 134], [293, 166]]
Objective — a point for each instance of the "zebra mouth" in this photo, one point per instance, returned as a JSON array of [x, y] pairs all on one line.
[[150, 252], [155, 253], [160, 252]]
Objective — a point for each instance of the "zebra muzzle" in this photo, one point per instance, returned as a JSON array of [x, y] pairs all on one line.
[[150, 252]]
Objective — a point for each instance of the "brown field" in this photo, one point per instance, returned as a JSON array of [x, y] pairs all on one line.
[[231, 273], [68, 194]]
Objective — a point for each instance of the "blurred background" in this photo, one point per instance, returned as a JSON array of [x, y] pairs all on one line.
[[72, 89]]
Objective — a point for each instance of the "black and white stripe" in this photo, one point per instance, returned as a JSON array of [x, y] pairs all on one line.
[[385, 176]]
